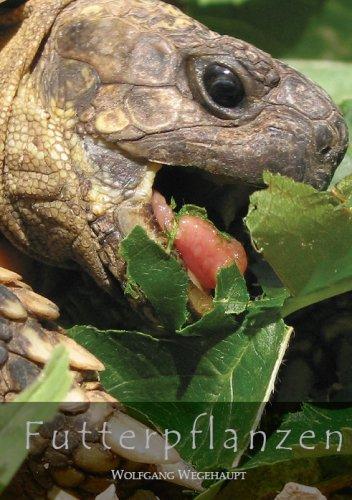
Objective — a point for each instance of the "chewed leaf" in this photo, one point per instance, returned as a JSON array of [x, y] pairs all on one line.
[[208, 367], [322, 421], [306, 236], [291, 453], [160, 277], [193, 210], [231, 299], [164, 282], [231, 291]]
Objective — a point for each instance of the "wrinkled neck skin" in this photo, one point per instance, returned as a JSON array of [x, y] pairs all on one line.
[[115, 91], [77, 197]]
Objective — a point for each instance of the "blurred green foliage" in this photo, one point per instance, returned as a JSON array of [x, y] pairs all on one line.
[[215, 2], [308, 29], [334, 77]]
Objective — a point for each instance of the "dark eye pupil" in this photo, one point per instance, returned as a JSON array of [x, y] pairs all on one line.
[[223, 86]]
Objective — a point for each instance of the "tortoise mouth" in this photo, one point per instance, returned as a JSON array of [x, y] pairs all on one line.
[[123, 185], [225, 200]]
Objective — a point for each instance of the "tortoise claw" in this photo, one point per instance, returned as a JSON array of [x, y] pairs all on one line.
[[31, 341], [10, 306], [153, 452], [7, 276], [36, 304]]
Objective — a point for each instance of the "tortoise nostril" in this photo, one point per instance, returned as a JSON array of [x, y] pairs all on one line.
[[325, 151], [324, 138]]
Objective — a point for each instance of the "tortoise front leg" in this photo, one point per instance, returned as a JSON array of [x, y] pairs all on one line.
[[28, 335]]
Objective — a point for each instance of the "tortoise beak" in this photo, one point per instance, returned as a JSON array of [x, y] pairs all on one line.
[[331, 142], [324, 133]]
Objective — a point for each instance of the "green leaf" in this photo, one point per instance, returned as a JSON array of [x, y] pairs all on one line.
[[320, 421], [290, 461], [211, 492], [164, 282], [231, 298], [193, 210], [306, 237], [231, 291], [344, 169], [343, 190], [161, 278], [171, 381], [37, 403]]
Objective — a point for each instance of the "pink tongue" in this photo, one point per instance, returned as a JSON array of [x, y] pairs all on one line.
[[201, 246]]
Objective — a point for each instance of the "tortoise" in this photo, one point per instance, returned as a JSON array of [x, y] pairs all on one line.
[[95, 98]]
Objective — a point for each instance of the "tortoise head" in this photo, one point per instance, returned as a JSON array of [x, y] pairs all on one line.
[[119, 88], [163, 88]]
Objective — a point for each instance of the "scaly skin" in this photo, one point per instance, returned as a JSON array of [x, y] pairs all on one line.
[[27, 338], [95, 95]]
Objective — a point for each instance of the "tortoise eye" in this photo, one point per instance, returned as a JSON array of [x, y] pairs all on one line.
[[223, 86]]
